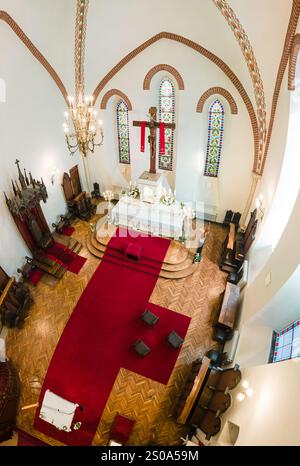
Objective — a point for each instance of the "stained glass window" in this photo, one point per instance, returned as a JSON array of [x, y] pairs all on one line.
[[167, 115], [123, 132], [215, 138], [287, 343]]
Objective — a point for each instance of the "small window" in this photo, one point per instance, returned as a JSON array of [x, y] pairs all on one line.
[[287, 343]]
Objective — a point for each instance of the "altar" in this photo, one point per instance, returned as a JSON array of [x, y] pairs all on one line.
[[154, 218]]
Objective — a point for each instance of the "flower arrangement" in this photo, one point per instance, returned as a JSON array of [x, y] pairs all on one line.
[[77, 425], [167, 198], [108, 195], [133, 191]]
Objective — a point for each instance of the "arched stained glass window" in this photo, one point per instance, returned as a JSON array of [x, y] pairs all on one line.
[[123, 132], [167, 115], [215, 139]]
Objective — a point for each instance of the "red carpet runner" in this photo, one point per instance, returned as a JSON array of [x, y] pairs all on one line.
[[64, 256], [97, 340]]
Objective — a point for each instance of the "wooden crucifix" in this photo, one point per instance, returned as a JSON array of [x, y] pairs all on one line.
[[153, 125]]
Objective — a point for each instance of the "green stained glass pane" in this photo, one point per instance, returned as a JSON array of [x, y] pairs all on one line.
[[166, 88], [166, 103], [215, 136], [167, 115], [123, 132]]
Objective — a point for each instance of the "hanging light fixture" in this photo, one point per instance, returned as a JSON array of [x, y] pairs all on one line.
[[86, 128]]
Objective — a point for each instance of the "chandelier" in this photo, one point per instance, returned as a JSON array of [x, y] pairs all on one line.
[[86, 127]]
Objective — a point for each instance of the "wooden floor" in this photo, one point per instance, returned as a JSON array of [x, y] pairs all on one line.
[[150, 403]]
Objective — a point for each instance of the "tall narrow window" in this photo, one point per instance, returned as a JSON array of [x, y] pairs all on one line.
[[123, 132], [215, 139], [167, 115]]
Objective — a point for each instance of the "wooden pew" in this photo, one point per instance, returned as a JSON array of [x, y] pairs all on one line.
[[229, 308], [196, 389]]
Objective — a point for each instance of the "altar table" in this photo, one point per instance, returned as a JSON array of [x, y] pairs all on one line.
[[58, 411], [157, 219]]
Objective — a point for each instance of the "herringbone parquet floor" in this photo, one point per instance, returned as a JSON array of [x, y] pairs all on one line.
[[149, 403]]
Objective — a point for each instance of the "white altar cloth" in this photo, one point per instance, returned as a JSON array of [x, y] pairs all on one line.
[[58, 411], [157, 219]]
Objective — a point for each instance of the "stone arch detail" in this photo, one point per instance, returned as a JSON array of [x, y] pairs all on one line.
[[220, 91], [204, 52], [110, 94], [293, 62], [4, 16], [156, 69]]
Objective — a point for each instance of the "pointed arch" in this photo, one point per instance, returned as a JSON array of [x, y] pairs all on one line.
[[110, 94], [202, 51], [220, 91], [4, 16], [156, 69]]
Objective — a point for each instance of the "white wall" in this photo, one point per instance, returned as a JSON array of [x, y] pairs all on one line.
[[271, 416], [31, 130], [276, 251], [282, 265], [203, 23], [198, 74]]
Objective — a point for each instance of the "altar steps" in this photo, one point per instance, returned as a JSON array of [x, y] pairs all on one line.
[[165, 266], [176, 254], [171, 271], [52, 267]]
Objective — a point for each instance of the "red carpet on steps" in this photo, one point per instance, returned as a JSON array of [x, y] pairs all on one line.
[[67, 231], [97, 340], [35, 276], [64, 256]]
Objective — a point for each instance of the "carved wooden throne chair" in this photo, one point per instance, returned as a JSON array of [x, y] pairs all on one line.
[[78, 202]]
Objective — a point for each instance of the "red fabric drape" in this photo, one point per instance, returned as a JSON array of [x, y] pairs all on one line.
[[162, 138], [143, 132]]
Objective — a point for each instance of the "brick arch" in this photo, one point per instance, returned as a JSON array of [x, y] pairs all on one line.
[[217, 90], [110, 94], [204, 52], [4, 16], [156, 69], [293, 62]]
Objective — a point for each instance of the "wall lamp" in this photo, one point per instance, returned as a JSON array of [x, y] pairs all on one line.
[[246, 393], [53, 172]]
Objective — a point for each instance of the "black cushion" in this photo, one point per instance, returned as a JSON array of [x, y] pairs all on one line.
[[141, 348], [149, 318], [175, 340]]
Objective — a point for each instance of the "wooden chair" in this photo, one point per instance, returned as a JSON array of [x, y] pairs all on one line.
[[141, 348], [175, 340], [42, 239], [149, 318], [79, 204], [228, 217], [224, 380], [219, 402], [15, 301], [207, 421], [9, 399], [121, 430]]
